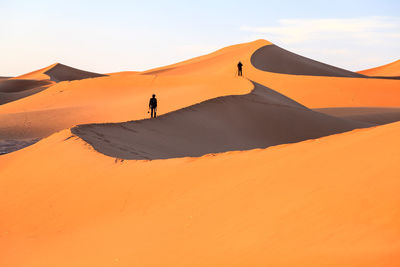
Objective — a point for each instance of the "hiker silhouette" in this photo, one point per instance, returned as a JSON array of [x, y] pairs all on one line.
[[153, 106], [240, 65]]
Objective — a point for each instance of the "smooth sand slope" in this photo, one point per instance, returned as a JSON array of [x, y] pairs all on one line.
[[259, 119], [333, 201], [120, 97], [113, 98], [388, 70]]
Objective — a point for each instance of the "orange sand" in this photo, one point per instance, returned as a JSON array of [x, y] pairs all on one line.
[[333, 201], [37, 74], [388, 70]]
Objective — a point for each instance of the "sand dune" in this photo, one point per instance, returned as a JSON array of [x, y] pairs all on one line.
[[388, 70], [34, 82], [331, 201], [11, 90], [272, 58], [123, 96], [260, 119], [16, 86], [113, 98], [58, 72], [309, 90], [326, 202]]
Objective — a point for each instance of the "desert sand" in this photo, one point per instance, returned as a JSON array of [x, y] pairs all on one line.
[[294, 164], [332, 201], [388, 70]]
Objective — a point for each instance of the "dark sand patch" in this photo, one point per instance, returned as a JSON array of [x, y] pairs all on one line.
[[9, 145], [376, 115], [272, 58]]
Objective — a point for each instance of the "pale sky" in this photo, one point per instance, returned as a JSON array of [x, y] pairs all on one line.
[[109, 36]]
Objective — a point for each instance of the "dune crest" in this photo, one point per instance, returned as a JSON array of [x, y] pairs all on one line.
[[259, 119], [58, 72], [388, 70]]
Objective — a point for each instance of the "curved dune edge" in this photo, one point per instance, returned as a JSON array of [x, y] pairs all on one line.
[[311, 91], [259, 119], [322, 91], [250, 208], [389, 70]]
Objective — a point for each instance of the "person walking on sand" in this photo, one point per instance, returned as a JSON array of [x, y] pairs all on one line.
[[239, 66], [153, 106]]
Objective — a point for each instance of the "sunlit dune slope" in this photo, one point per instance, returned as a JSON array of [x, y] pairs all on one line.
[[388, 70], [123, 96], [115, 98], [333, 201], [259, 119], [119, 97]]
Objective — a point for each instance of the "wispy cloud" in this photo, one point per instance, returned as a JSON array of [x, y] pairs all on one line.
[[351, 42]]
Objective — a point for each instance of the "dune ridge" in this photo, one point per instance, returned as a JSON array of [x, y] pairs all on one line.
[[58, 72], [123, 96], [389, 70], [259, 119]]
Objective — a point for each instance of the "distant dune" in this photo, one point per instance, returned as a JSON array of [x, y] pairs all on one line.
[[11, 90], [22, 86], [58, 72], [388, 70]]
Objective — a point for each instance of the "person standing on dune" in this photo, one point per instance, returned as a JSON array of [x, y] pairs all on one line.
[[240, 65], [153, 106]]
